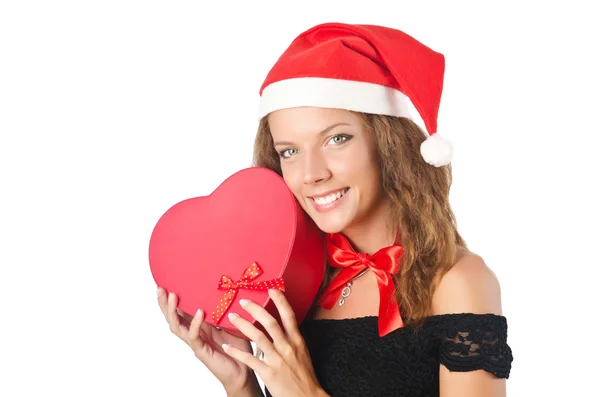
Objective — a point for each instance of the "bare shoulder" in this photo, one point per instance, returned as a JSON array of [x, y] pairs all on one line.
[[470, 286]]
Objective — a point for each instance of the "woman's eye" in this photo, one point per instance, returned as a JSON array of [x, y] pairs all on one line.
[[287, 153], [339, 139]]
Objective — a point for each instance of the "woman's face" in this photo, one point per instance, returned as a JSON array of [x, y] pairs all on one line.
[[329, 161]]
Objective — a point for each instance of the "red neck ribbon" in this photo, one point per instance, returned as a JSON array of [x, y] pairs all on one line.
[[384, 264]]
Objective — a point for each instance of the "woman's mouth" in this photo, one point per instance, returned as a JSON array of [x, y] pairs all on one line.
[[330, 201]]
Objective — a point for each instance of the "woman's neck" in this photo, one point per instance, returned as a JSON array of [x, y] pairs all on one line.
[[372, 233]]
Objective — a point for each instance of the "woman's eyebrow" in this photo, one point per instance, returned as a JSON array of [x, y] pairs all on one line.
[[325, 131]]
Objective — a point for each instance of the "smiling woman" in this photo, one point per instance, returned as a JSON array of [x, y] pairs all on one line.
[[424, 316]]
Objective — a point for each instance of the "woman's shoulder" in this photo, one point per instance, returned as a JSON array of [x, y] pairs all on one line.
[[470, 286], [467, 318]]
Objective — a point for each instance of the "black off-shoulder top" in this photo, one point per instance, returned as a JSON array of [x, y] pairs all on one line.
[[351, 359]]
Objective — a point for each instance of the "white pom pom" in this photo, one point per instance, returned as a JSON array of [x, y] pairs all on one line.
[[436, 150]]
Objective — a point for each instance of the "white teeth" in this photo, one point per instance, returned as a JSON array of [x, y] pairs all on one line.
[[329, 198]]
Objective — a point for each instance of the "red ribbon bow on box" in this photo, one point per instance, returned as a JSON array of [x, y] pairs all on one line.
[[384, 263], [232, 287]]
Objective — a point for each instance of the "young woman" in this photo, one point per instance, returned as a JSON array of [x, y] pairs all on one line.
[[406, 309]]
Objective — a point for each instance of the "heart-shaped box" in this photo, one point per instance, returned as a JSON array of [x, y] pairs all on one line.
[[202, 248]]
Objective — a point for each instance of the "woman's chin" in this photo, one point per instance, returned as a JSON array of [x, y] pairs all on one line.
[[329, 226], [334, 220]]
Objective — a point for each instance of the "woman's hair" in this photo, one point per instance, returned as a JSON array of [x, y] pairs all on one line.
[[419, 207]]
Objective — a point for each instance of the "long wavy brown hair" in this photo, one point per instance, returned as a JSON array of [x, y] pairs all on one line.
[[419, 207]]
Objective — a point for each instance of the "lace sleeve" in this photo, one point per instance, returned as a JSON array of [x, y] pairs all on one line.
[[475, 341]]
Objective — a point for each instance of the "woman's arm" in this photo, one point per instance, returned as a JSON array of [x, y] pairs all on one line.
[[469, 287]]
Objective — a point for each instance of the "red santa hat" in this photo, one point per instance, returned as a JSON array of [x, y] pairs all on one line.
[[364, 68]]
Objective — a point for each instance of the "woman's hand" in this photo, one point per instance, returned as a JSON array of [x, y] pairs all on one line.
[[287, 368], [206, 341]]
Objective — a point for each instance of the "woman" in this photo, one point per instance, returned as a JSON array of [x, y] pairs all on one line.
[[406, 309]]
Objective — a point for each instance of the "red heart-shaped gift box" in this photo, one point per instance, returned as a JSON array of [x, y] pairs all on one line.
[[202, 248]]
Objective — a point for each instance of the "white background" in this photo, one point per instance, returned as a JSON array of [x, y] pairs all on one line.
[[112, 111]]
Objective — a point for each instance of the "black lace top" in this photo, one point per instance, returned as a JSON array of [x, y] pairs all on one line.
[[350, 359]]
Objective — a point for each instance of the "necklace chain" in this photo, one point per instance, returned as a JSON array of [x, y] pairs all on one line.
[[348, 288]]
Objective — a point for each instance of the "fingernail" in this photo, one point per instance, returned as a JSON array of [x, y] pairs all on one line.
[[232, 316], [171, 296], [244, 302], [157, 291], [225, 346], [198, 312]]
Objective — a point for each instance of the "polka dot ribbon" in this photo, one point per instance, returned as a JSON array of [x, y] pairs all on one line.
[[231, 287]]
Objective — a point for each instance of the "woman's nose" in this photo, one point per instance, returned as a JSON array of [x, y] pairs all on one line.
[[315, 169]]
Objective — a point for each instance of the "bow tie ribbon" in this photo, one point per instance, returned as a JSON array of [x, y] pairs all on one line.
[[247, 282], [384, 264]]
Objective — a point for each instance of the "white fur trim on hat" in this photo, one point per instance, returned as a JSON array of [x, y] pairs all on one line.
[[333, 93]]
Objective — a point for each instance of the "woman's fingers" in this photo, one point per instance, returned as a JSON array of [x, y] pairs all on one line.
[[164, 307], [253, 334], [195, 325], [248, 359], [261, 315], [162, 301], [197, 343], [287, 315], [174, 320]]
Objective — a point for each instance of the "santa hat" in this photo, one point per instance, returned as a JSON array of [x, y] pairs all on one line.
[[364, 68]]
